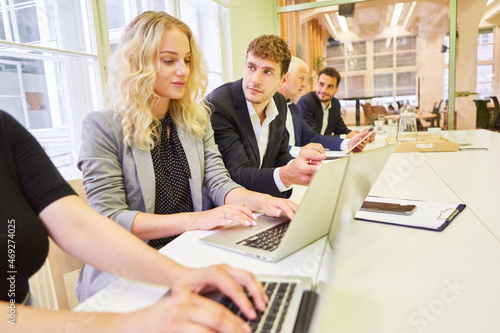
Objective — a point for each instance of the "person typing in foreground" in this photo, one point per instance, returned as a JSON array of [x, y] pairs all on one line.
[[36, 203]]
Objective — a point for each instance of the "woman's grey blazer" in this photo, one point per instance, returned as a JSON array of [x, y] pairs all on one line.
[[119, 179]]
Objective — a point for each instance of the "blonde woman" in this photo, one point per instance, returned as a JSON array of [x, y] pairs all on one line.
[[146, 160]]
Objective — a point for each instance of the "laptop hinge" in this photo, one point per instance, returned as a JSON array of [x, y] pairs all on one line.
[[306, 310]]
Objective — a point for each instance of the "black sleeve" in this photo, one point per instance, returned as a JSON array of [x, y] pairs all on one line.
[[236, 150], [307, 106], [340, 127], [40, 182], [327, 141], [279, 132]]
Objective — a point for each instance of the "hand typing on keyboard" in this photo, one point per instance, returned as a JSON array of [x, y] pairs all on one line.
[[228, 280], [272, 319]]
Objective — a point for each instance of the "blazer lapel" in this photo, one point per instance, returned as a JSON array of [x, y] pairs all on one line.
[[331, 120], [297, 123], [146, 176], [195, 156], [319, 111], [241, 110]]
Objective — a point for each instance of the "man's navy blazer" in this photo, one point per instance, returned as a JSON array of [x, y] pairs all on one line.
[[304, 134], [312, 111], [237, 143]]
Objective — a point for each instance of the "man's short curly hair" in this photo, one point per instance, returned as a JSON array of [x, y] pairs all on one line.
[[271, 47], [332, 72]]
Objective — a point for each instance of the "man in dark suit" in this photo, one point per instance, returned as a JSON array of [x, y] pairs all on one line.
[[248, 118], [321, 110], [298, 131]]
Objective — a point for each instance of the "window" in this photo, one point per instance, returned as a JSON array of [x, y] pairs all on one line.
[[356, 55], [50, 77], [485, 59], [390, 74], [383, 84], [351, 61], [406, 54], [335, 56], [52, 73], [395, 71], [205, 18]]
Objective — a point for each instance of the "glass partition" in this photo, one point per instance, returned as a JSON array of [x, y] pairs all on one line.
[[388, 52]]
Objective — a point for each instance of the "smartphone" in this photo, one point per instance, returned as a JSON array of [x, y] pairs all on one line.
[[385, 207], [370, 131]]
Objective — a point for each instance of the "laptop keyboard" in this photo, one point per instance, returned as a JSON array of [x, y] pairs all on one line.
[[267, 240], [272, 320]]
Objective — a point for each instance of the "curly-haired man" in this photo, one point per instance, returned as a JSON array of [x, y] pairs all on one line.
[[248, 118]]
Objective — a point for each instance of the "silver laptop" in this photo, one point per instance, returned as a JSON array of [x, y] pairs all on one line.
[[275, 238], [363, 171], [292, 306], [359, 179]]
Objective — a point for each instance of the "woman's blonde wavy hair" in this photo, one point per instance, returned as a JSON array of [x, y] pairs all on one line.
[[132, 75]]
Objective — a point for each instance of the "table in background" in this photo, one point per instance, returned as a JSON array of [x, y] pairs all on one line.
[[357, 99], [418, 116]]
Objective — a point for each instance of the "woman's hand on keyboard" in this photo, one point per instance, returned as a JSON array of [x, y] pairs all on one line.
[[272, 206], [223, 216], [185, 312], [228, 280]]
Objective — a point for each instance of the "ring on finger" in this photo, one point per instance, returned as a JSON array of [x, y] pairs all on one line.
[[224, 215]]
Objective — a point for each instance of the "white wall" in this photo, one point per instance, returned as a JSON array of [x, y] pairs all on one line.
[[249, 19]]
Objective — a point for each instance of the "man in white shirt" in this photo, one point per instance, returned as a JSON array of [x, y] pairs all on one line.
[[248, 118], [299, 132]]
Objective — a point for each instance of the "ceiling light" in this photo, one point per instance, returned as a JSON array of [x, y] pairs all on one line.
[[409, 13], [396, 14], [343, 23], [489, 2], [388, 42], [329, 20], [349, 47]]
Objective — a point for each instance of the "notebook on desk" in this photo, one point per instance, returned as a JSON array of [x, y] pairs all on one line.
[[273, 239], [292, 306]]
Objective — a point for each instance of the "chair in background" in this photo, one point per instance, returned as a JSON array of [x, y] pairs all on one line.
[[495, 126], [378, 109], [436, 122], [368, 113], [495, 115], [53, 286], [391, 110], [444, 115], [483, 117], [371, 112]]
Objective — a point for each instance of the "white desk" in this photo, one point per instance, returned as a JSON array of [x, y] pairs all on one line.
[[395, 279], [390, 278]]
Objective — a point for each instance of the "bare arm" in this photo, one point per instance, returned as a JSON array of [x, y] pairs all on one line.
[[183, 313], [127, 256], [97, 235]]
